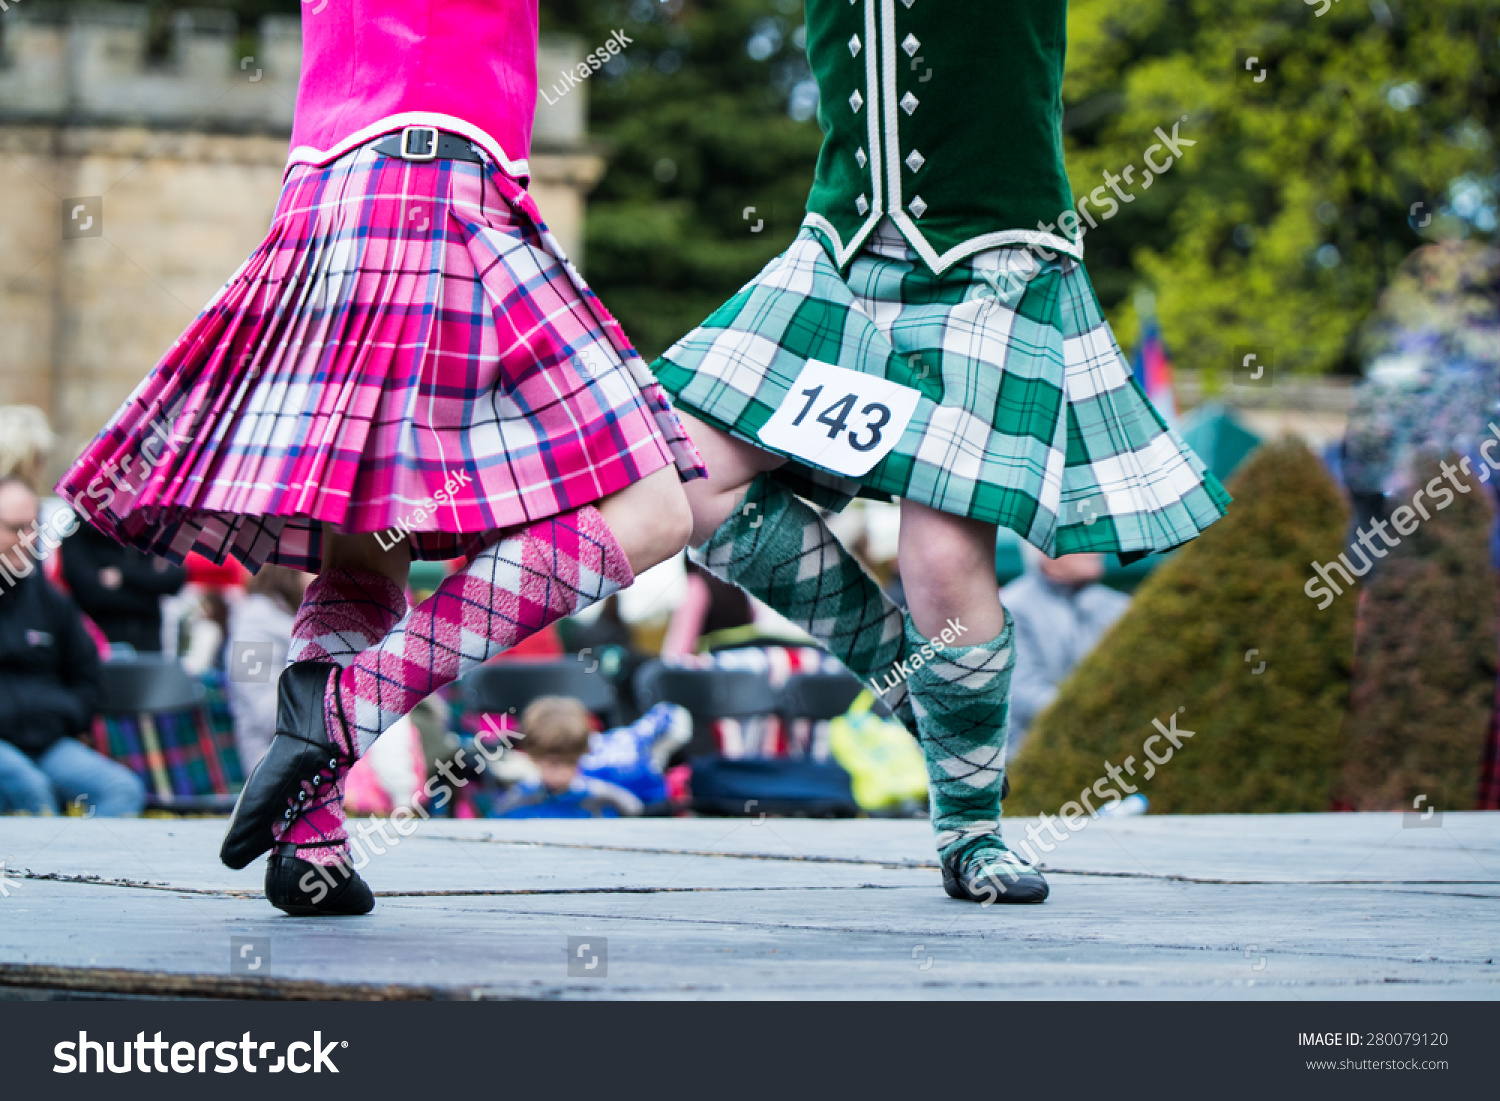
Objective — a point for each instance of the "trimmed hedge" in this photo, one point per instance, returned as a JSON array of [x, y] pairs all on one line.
[[1262, 742], [1424, 664]]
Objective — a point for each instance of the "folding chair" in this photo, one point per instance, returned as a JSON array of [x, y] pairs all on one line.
[[817, 696], [156, 722], [811, 698], [499, 688], [742, 786], [707, 694]]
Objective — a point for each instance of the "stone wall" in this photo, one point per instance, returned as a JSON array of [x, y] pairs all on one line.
[[179, 166]]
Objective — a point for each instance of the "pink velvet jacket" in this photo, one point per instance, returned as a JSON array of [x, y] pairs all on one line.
[[370, 67]]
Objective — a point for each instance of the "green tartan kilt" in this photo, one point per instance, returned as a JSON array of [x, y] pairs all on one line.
[[1029, 416]]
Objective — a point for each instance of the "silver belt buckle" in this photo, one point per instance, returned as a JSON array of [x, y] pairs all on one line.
[[426, 138]]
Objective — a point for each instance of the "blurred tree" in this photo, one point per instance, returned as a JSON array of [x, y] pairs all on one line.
[[1424, 664], [1282, 224], [1265, 736]]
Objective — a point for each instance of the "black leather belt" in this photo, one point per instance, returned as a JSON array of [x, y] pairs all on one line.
[[427, 143]]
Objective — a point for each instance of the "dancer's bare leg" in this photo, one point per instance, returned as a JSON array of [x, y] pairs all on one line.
[[961, 697], [948, 572]]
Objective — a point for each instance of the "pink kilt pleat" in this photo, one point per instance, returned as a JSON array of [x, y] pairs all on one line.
[[408, 352]]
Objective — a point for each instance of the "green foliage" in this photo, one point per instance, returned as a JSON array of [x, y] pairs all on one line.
[[698, 131], [1262, 742], [1362, 112], [1424, 665]]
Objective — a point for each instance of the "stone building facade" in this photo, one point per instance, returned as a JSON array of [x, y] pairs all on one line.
[[130, 189]]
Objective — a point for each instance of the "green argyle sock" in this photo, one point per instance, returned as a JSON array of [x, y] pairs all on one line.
[[961, 696], [780, 551]]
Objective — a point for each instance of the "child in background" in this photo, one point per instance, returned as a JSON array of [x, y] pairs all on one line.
[[555, 733]]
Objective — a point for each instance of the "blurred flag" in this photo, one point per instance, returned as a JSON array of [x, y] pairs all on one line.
[[1152, 368]]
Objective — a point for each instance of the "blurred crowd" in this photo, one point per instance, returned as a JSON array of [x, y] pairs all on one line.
[[73, 602]]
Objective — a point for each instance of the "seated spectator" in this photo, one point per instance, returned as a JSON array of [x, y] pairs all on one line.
[[195, 622], [555, 735], [260, 632], [1061, 612], [49, 686], [119, 587]]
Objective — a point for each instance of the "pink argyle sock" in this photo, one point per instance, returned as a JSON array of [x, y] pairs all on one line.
[[510, 590], [343, 613]]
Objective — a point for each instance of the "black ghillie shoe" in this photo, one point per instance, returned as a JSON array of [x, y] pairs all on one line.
[[301, 762], [988, 872], [305, 890]]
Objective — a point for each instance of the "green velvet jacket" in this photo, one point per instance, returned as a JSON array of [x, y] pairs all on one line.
[[945, 115]]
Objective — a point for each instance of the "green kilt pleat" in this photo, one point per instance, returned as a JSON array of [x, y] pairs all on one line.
[[1029, 416]]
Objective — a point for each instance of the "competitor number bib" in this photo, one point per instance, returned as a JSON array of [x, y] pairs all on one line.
[[843, 420]]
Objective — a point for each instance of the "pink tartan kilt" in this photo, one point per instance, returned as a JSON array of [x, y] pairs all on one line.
[[409, 352]]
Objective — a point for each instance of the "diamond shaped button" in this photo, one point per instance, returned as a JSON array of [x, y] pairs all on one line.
[[857, 101], [859, 155], [917, 206], [908, 103], [911, 45], [854, 46], [862, 205], [915, 160]]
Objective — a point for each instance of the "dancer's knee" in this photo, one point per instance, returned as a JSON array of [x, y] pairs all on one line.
[[375, 552], [710, 505], [651, 520], [948, 571]]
